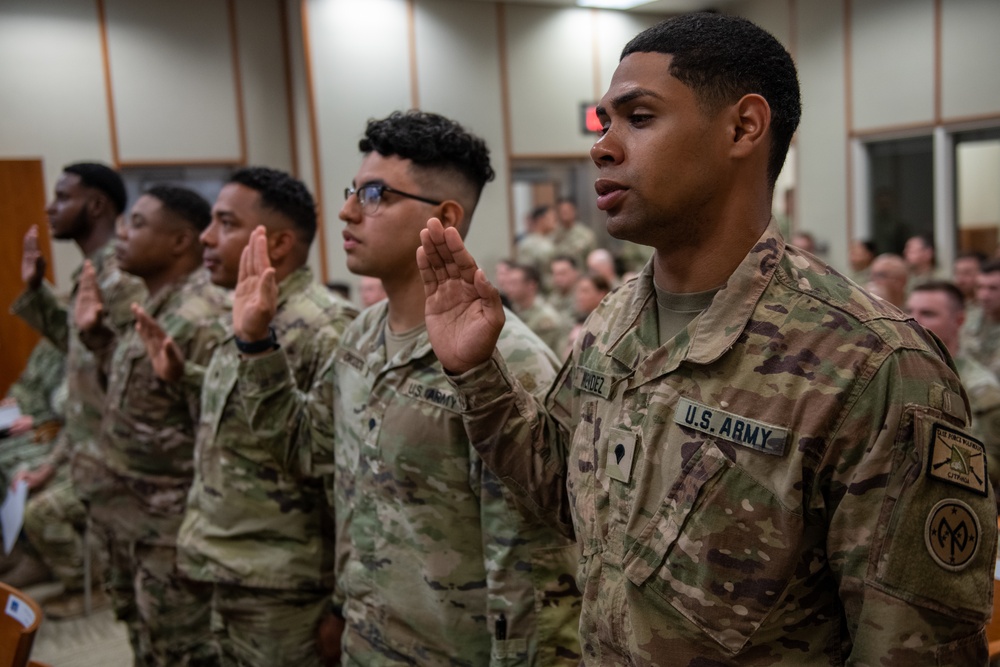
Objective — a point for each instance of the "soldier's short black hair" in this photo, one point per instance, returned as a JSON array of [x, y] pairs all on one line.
[[722, 58], [186, 204], [101, 177], [540, 211], [530, 273], [949, 288], [430, 140], [992, 266], [565, 258], [283, 193]]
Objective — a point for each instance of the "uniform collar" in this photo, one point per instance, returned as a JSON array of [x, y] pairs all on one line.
[[295, 282], [98, 259], [634, 333]]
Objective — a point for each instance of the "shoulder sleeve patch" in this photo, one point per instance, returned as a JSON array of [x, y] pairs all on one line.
[[957, 458], [952, 534]]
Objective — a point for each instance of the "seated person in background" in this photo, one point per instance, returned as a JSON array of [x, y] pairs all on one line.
[[537, 248], [370, 291], [938, 307], [565, 272], [981, 339], [602, 263], [804, 241], [860, 256], [965, 273], [921, 260], [435, 565], [523, 288], [887, 279], [572, 238]]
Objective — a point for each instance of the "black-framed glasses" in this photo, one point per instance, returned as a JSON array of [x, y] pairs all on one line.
[[370, 195]]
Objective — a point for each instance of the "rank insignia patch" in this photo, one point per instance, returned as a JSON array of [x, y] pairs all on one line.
[[952, 534], [957, 459]]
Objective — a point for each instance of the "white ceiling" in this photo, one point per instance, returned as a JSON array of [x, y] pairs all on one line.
[[655, 7]]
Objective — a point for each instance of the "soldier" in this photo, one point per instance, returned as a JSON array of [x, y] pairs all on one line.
[[88, 199], [263, 540], [147, 436], [572, 238], [565, 272], [981, 338], [536, 249], [759, 483], [435, 564], [523, 288], [887, 279], [939, 307]]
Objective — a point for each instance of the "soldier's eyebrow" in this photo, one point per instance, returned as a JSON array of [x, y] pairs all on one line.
[[626, 97]]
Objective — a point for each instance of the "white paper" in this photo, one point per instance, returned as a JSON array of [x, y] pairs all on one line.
[[8, 415], [12, 514]]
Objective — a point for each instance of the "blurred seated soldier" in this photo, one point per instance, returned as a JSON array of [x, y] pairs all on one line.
[[938, 306], [804, 241], [29, 439], [965, 272], [537, 248], [921, 260], [861, 255], [981, 339], [887, 279], [565, 273], [523, 290], [370, 291], [572, 238], [602, 263]]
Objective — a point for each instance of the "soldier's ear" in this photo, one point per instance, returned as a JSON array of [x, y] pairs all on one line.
[[452, 214], [280, 244]]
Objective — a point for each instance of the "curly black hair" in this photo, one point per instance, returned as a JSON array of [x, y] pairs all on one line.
[[186, 204], [430, 140], [722, 58], [101, 177], [282, 193]]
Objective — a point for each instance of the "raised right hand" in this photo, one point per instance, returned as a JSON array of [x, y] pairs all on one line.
[[165, 355], [255, 299], [32, 262], [463, 311]]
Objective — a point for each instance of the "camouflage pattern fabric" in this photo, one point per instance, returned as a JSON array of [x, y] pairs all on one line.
[[267, 627], [536, 251], [85, 369], [54, 523], [248, 523], [432, 551], [146, 468], [983, 389], [39, 380], [575, 242], [785, 482], [546, 322], [981, 341]]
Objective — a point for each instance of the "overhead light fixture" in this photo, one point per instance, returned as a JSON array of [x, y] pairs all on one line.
[[612, 4]]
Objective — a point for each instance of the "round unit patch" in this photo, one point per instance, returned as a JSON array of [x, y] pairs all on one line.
[[952, 534]]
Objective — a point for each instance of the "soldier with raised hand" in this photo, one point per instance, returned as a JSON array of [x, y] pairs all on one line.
[[148, 433], [435, 565], [782, 477], [88, 199], [261, 539]]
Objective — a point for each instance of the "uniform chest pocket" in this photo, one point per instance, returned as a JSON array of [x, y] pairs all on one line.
[[720, 551]]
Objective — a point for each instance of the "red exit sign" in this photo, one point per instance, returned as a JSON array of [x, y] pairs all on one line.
[[589, 122]]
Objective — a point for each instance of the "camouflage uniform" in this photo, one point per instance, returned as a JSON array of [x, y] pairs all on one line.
[[546, 322], [983, 389], [248, 526], [575, 242], [981, 341], [536, 251], [56, 516], [785, 482], [147, 443], [86, 369], [35, 394], [432, 550]]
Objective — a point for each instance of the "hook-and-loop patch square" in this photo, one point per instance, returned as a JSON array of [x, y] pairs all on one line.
[[957, 458]]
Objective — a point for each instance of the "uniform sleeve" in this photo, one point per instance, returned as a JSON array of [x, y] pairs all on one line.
[[294, 425], [524, 441], [41, 377], [44, 313], [118, 292], [912, 520]]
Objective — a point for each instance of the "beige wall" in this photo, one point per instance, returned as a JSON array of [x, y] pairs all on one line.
[[864, 67]]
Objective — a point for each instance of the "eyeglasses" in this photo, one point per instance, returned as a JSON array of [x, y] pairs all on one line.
[[370, 195]]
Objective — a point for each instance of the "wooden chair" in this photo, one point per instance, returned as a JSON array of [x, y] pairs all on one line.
[[20, 617]]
